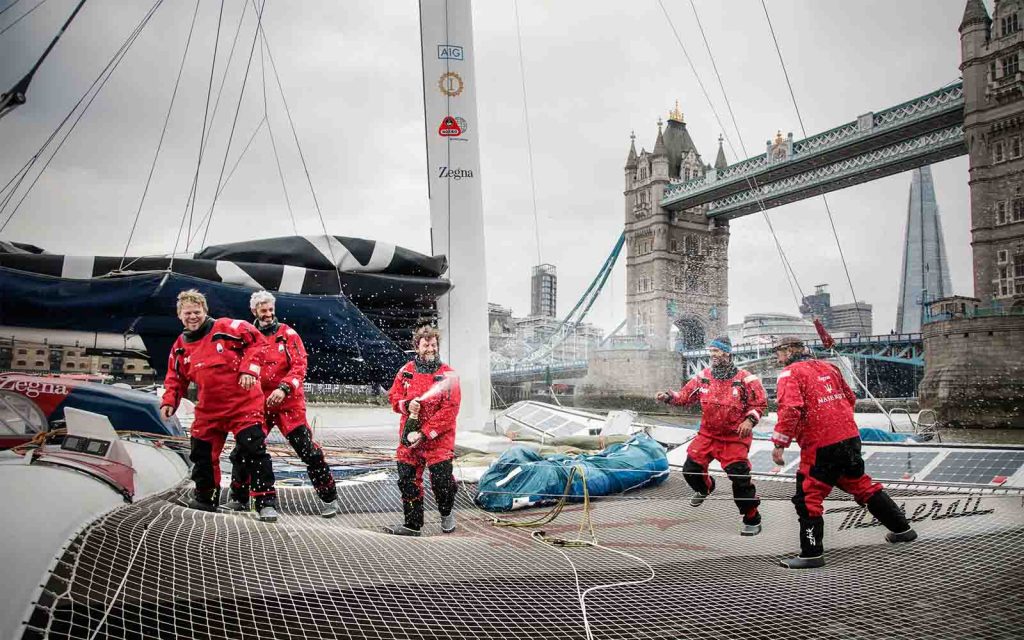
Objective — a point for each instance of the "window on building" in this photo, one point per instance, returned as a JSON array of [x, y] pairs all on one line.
[[21, 363], [1010, 65], [1018, 209], [22, 352], [997, 152], [1004, 272], [1018, 288], [1018, 270], [691, 246], [1000, 213], [1009, 25], [1001, 256], [1015, 147], [40, 363]]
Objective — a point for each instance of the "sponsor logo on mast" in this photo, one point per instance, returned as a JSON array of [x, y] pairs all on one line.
[[450, 127], [450, 52], [451, 84]]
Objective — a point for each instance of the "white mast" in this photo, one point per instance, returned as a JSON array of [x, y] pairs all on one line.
[[456, 199]]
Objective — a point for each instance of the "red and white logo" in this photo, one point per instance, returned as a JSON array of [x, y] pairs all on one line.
[[449, 128]]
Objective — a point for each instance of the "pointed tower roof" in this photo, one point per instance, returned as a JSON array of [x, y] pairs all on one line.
[[677, 141], [975, 13], [720, 161], [659, 144], [631, 158]]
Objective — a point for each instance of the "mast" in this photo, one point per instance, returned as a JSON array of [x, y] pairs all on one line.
[[456, 199]]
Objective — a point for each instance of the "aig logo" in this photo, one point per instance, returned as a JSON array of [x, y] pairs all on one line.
[[449, 52]]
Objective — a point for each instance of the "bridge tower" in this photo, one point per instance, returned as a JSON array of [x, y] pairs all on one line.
[[677, 289], [991, 52]]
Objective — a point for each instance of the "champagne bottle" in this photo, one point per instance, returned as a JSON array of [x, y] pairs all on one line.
[[412, 423]]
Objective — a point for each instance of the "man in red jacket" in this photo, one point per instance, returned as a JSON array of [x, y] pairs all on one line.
[[281, 379], [426, 393], [816, 409], [732, 401], [223, 357]]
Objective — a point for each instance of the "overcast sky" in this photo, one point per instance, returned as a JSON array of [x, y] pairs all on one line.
[[594, 72]]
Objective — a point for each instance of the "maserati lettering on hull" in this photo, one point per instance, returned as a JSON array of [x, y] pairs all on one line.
[[935, 510]]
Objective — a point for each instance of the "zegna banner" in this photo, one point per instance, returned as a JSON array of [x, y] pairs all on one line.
[[456, 200]]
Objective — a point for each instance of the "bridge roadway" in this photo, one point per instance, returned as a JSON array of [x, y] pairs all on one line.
[[900, 348], [922, 131]]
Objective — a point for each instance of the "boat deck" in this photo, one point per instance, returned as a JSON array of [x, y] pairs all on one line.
[[663, 569]]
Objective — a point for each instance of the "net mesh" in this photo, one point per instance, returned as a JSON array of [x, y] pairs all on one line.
[[662, 569]]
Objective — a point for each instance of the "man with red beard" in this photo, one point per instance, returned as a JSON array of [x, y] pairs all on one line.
[[282, 378], [426, 393], [816, 410], [732, 401], [223, 357]]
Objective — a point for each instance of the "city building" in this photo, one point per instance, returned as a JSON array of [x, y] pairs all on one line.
[[544, 291], [853, 319], [841, 320], [925, 272], [40, 357], [501, 327], [766, 328]]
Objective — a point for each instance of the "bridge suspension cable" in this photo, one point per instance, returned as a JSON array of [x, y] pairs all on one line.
[[579, 312], [529, 138]]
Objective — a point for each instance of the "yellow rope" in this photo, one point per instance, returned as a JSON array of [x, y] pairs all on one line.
[[586, 523]]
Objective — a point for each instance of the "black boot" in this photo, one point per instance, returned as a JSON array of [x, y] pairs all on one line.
[[812, 550], [204, 500], [413, 510], [885, 511]]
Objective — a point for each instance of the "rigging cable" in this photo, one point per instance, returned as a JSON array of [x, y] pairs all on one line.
[[529, 139], [101, 80], [234, 122], [803, 130], [752, 184], [163, 132], [302, 156], [22, 16], [11, 5], [273, 143]]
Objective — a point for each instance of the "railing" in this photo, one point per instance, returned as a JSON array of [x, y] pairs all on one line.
[[980, 312]]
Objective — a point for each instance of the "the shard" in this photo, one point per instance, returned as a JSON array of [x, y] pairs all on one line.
[[925, 273]]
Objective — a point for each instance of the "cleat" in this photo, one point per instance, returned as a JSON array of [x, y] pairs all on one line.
[[201, 505], [400, 530], [448, 523], [330, 509], [906, 536], [698, 499], [236, 505], [750, 529], [268, 514], [800, 562]]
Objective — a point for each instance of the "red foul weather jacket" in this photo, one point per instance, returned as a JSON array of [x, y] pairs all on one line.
[[724, 403], [437, 412], [284, 367], [815, 406], [215, 359]]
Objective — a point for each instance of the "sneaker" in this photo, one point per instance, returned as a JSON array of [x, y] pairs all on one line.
[[330, 509], [750, 529], [268, 514], [400, 530], [448, 523], [236, 505], [698, 499], [201, 505], [906, 536], [800, 562]]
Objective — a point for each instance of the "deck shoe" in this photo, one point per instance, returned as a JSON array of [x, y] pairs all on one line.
[[750, 529], [400, 530], [201, 505], [448, 523], [236, 505], [801, 562], [268, 514], [904, 536], [330, 509]]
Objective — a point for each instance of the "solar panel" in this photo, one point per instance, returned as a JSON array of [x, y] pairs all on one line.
[[978, 467], [761, 461], [897, 465]]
